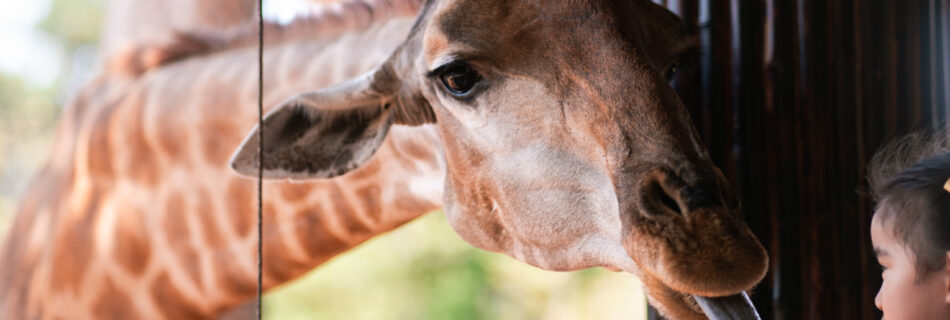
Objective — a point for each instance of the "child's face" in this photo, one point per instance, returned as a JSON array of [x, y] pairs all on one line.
[[901, 295]]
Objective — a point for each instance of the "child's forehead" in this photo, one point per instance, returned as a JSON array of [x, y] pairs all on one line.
[[891, 212], [879, 229], [882, 229], [885, 240], [884, 215]]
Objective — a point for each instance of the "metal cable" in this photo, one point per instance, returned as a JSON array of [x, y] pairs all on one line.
[[260, 155]]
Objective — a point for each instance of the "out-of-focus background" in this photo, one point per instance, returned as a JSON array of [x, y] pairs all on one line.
[[49, 48]]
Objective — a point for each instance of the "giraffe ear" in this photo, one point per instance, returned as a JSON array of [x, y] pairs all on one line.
[[321, 134]]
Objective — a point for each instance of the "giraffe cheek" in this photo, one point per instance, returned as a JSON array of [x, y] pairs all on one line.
[[479, 229]]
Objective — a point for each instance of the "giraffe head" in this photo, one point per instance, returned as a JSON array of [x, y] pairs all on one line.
[[565, 146]]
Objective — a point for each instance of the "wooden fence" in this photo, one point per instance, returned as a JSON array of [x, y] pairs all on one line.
[[793, 97]]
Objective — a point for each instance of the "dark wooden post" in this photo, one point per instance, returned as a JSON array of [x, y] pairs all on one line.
[[793, 98]]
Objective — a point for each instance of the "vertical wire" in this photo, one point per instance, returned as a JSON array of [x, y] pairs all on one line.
[[260, 154]]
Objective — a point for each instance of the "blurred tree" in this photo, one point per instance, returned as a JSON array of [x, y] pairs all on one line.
[[28, 114], [16, 97], [74, 23]]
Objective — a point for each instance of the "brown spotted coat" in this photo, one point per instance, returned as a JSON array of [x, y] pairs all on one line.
[[136, 214]]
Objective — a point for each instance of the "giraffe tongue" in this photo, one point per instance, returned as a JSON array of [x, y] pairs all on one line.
[[734, 307]]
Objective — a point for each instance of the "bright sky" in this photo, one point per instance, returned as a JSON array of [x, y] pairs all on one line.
[[283, 10], [29, 53], [23, 50]]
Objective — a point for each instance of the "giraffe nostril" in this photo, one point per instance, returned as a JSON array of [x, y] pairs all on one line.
[[669, 202], [659, 195], [664, 193]]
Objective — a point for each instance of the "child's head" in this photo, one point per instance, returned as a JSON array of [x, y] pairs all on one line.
[[910, 180]]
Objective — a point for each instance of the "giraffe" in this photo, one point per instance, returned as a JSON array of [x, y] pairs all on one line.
[[564, 146], [128, 23], [136, 213]]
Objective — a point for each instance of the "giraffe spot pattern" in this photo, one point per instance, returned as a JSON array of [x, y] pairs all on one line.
[[172, 140], [231, 280], [113, 303], [171, 303], [179, 237], [370, 195], [354, 228], [18, 277], [295, 192], [22, 262], [217, 151], [132, 250], [313, 233], [241, 208], [141, 163], [205, 211], [72, 250], [99, 157], [278, 266], [175, 223]]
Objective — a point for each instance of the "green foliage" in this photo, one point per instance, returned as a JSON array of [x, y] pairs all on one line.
[[459, 280], [27, 116], [26, 110], [74, 22]]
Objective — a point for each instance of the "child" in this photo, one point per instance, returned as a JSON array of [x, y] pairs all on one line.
[[910, 180]]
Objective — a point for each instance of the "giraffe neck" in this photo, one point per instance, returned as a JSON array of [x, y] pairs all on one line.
[[138, 214], [136, 21]]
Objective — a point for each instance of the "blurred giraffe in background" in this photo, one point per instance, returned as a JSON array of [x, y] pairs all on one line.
[[147, 25], [136, 213]]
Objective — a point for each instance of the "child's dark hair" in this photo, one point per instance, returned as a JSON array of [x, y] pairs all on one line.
[[907, 179]]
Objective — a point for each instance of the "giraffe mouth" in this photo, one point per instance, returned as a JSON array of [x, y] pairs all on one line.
[[734, 307]]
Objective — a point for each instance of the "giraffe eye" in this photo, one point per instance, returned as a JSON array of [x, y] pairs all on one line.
[[459, 78], [686, 60], [671, 71]]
